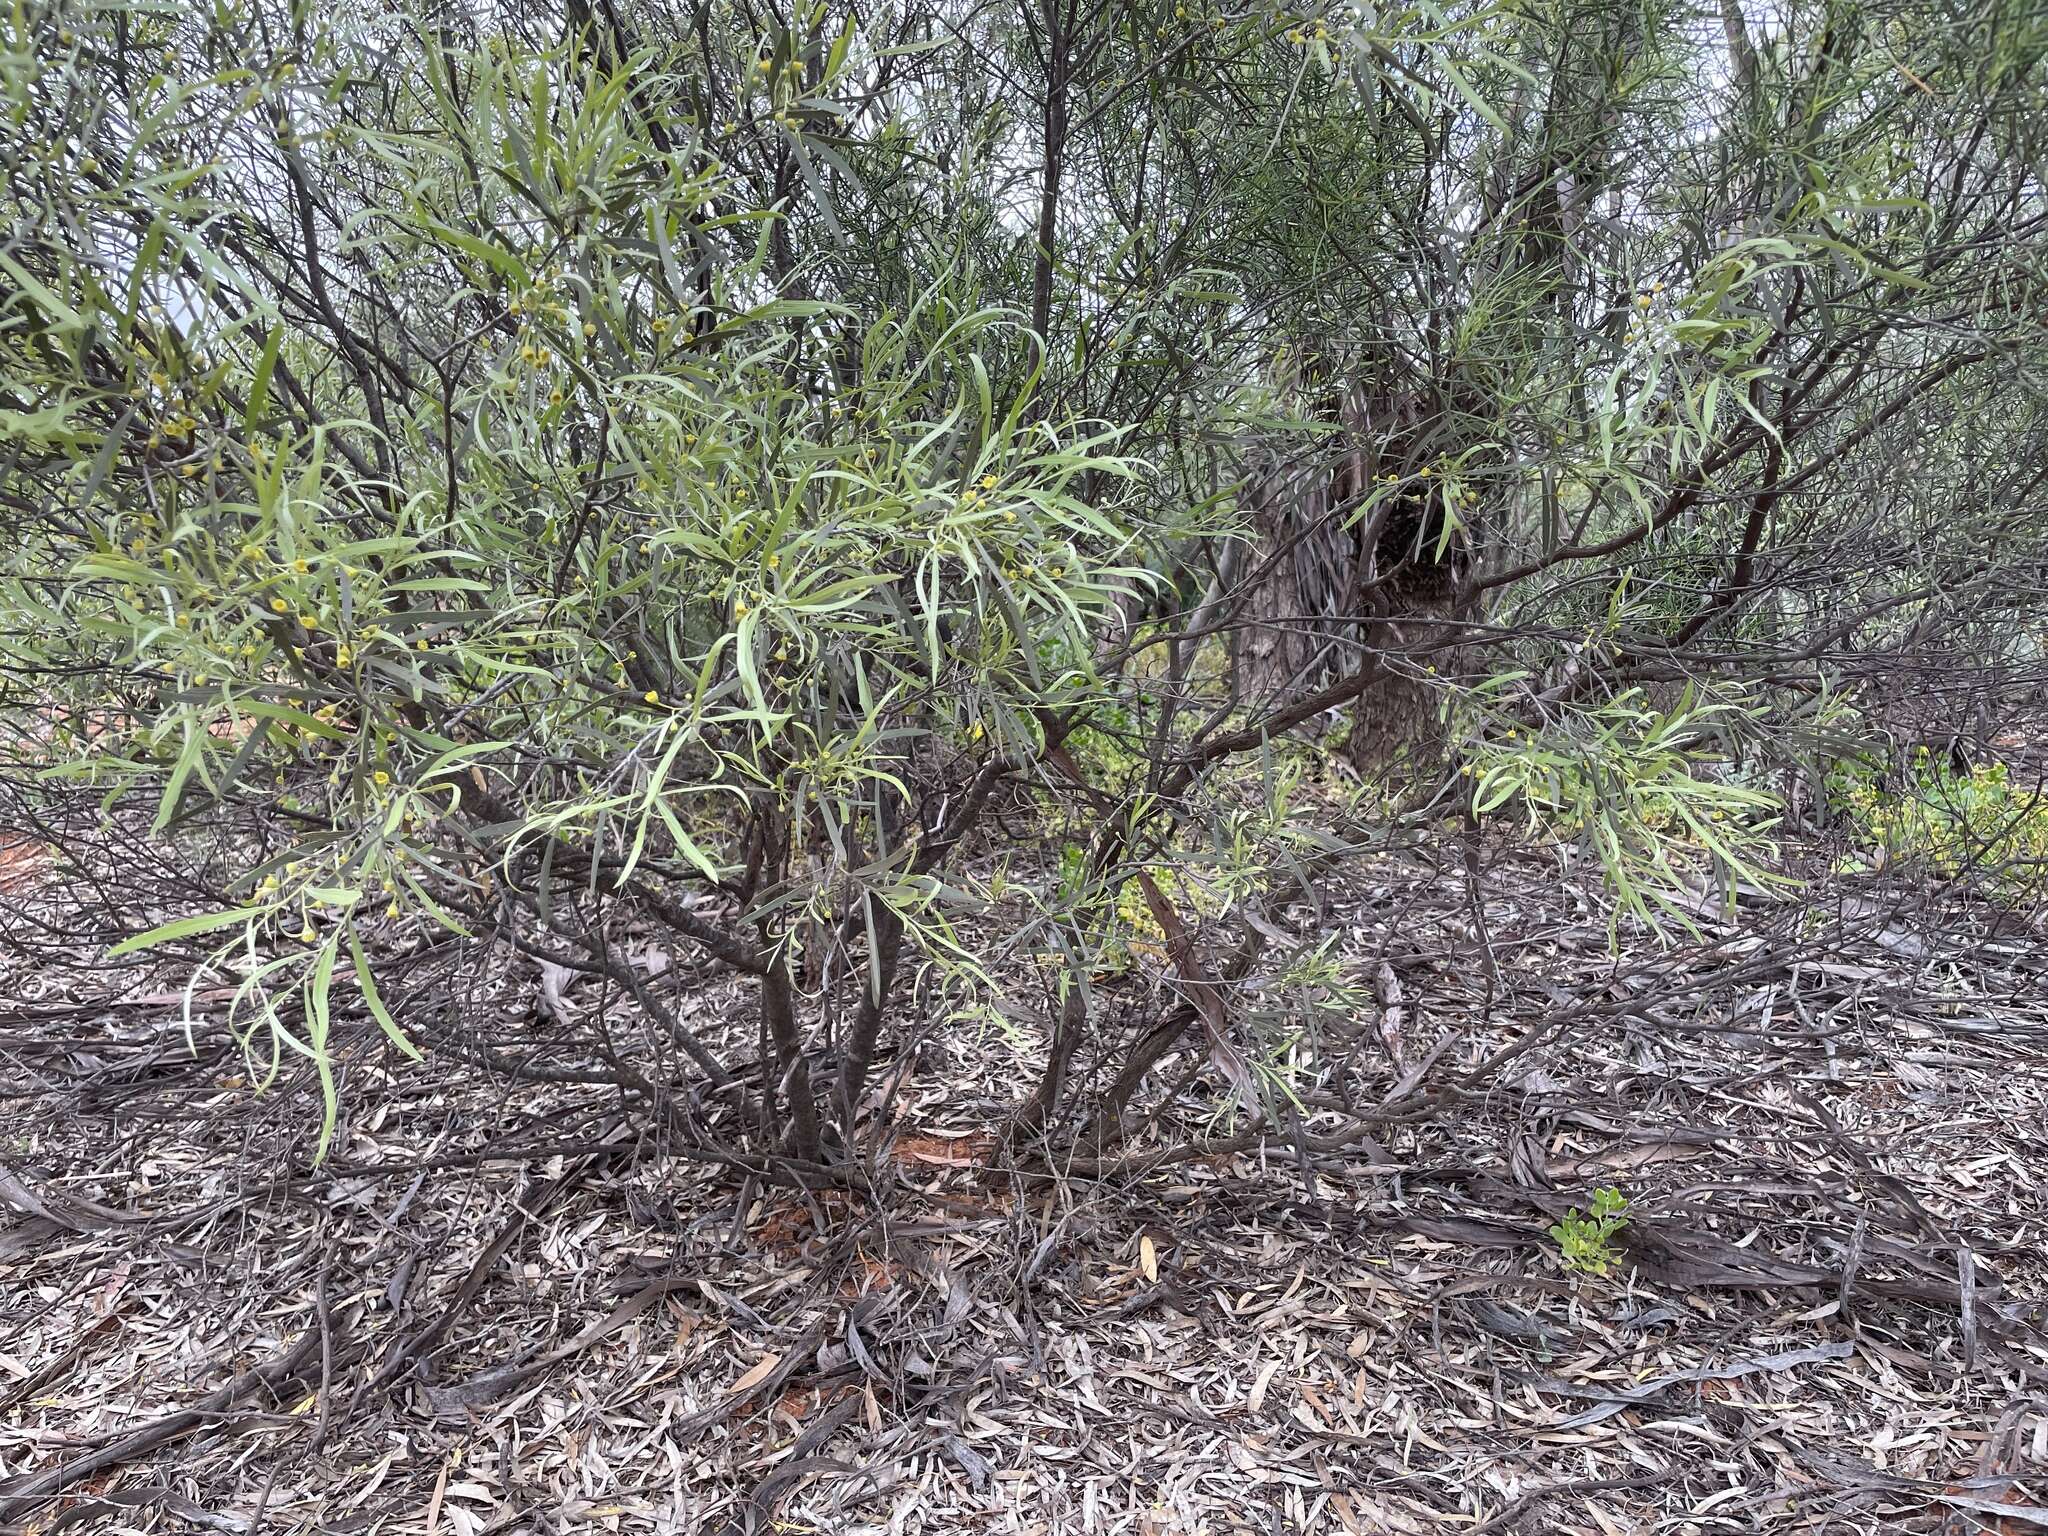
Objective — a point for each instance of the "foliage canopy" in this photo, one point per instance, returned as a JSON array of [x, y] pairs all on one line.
[[682, 470]]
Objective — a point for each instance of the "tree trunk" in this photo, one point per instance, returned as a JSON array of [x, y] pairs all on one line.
[[1350, 582], [778, 1019], [1397, 730], [886, 928], [790, 1068]]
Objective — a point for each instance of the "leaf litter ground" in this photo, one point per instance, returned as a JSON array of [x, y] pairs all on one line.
[[509, 1306]]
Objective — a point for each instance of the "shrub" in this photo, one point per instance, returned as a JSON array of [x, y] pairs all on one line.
[[615, 584], [1948, 821]]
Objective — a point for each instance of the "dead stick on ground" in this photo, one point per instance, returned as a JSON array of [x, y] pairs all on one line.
[[406, 1351]]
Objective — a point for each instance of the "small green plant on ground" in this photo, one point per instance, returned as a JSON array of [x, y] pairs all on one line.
[[1587, 1241], [1946, 821]]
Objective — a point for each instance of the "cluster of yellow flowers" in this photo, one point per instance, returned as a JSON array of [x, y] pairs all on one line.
[[1457, 495], [540, 306], [1639, 328]]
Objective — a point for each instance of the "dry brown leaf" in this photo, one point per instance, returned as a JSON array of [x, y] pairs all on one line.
[[760, 1373], [434, 1502], [1258, 1397], [1148, 1257]]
